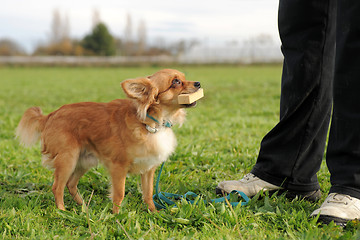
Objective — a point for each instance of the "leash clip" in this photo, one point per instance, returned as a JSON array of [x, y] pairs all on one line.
[[151, 129]]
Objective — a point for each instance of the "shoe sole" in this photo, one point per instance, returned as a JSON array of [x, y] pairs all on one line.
[[325, 219], [219, 191], [312, 196]]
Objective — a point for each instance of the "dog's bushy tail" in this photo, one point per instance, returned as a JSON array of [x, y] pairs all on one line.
[[30, 126]]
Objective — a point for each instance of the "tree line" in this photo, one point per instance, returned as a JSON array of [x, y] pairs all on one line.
[[98, 42]]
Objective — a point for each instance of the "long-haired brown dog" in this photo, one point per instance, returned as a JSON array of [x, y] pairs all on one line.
[[127, 135]]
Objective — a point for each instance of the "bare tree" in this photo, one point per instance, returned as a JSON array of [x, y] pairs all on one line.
[[183, 46], [59, 38], [66, 28], [141, 38], [128, 41], [55, 36], [257, 48], [95, 18], [60, 28]]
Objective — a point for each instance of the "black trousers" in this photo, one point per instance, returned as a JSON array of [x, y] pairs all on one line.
[[320, 82]]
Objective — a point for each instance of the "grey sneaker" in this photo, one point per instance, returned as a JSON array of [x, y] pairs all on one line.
[[339, 208], [249, 184]]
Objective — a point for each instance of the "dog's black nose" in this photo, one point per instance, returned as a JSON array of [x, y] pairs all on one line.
[[197, 84]]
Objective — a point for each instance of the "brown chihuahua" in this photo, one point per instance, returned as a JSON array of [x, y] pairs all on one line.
[[129, 136]]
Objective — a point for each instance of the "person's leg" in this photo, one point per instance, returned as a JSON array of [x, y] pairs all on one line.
[[343, 153], [291, 153]]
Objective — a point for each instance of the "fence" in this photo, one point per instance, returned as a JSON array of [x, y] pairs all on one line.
[[195, 56]]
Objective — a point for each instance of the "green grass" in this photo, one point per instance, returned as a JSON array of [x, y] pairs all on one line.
[[219, 141]]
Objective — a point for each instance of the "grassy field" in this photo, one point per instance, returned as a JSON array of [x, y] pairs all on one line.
[[219, 141]]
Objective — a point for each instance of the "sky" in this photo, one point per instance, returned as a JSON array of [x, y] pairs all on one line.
[[28, 22]]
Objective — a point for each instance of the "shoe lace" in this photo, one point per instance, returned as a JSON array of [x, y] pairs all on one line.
[[340, 198], [249, 176]]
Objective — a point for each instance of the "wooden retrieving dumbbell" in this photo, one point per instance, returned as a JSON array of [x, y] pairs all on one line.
[[190, 97]]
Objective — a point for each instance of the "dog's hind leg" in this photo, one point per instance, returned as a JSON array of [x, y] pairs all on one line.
[[64, 164], [86, 161], [73, 182]]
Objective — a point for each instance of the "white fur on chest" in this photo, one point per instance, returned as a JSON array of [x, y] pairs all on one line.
[[161, 145]]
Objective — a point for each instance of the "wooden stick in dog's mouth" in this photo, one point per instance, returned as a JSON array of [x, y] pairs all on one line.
[[189, 98]]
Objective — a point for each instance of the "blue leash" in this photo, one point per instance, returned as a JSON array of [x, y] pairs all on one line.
[[162, 199]]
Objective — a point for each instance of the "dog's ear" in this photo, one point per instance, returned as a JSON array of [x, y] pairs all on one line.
[[142, 90], [138, 88]]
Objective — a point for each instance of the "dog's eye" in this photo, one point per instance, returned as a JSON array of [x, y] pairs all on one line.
[[176, 82]]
